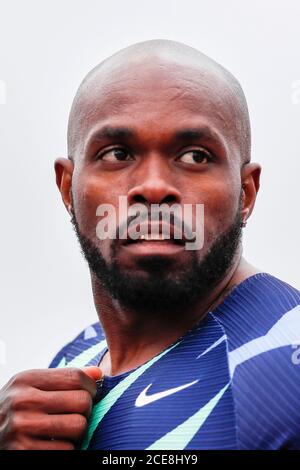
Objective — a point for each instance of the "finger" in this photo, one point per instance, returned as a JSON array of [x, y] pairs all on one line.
[[93, 372], [71, 427], [73, 401], [68, 378], [43, 444]]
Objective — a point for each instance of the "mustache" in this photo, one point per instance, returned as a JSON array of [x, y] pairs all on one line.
[[157, 217]]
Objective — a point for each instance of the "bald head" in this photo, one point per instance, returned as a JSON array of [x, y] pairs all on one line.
[[155, 64]]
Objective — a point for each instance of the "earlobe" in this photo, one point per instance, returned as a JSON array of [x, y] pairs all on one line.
[[64, 170], [245, 209]]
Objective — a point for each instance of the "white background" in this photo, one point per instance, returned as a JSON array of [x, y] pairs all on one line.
[[46, 48]]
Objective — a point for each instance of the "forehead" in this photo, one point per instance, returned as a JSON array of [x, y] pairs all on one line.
[[154, 99]]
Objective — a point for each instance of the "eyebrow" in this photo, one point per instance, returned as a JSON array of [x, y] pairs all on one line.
[[181, 135], [108, 132], [196, 133]]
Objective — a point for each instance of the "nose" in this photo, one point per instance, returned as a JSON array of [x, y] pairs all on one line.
[[153, 185]]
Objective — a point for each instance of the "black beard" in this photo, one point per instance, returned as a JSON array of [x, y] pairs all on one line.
[[163, 291]]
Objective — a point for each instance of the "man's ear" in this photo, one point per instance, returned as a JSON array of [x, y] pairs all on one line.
[[250, 176], [64, 171]]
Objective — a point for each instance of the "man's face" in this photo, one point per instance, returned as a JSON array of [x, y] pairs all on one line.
[[157, 137]]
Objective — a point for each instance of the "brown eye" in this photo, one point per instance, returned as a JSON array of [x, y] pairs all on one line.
[[194, 157], [115, 155]]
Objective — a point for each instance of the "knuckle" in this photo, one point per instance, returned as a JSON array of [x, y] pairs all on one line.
[[26, 377], [17, 424], [23, 398], [84, 401], [15, 401], [79, 424], [16, 379], [75, 376], [13, 426], [20, 378]]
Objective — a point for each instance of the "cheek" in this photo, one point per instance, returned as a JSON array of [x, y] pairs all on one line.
[[220, 208], [89, 191]]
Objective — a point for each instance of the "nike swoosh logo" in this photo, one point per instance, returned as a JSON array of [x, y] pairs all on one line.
[[179, 438], [144, 399]]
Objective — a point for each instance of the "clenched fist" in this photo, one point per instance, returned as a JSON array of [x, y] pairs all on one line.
[[47, 409]]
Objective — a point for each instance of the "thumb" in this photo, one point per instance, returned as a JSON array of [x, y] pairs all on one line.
[[93, 372]]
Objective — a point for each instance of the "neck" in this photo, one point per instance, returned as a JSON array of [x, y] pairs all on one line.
[[134, 339]]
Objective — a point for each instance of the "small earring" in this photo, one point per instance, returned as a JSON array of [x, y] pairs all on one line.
[[244, 223]]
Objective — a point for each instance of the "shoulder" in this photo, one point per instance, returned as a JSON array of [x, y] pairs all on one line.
[[82, 349], [262, 322], [255, 306]]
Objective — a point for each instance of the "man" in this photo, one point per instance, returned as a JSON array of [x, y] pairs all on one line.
[[194, 345]]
